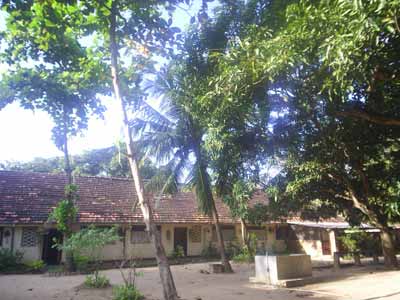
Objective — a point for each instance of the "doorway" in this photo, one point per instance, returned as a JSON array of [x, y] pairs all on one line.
[[50, 254], [180, 238], [325, 242]]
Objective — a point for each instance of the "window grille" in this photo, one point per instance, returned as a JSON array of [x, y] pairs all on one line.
[[29, 237], [195, 234]]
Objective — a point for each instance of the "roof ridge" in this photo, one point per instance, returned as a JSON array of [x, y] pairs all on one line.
[[64, 175]]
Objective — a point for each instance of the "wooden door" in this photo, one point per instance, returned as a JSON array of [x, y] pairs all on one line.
[[180, 238], [325, 242]]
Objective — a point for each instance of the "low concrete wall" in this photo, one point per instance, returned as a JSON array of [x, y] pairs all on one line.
[[273, 269]]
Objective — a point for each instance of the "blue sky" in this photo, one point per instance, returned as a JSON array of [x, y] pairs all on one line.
[[26, 134]]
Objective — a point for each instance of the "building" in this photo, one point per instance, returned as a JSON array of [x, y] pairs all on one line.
[[27, 198]]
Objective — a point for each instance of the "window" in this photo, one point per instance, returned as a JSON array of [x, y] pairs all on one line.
[[29, 237], [228, 233], [195, 234], [139, 235]]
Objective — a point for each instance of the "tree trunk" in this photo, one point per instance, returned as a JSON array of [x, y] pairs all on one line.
[[245, 239], [220, 240], [69, 259], [389, 252], [169, 289], [379, 221]]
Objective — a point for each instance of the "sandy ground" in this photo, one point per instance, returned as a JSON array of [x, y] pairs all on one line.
[[355, 283]]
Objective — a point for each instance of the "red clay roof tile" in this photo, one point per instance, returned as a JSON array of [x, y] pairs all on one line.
[[28, 198]]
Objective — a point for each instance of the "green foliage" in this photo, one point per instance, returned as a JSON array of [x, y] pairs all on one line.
[[124, 292], [243, 256], [128, 290], [81, 262], [351, 243], [90, 241], [238, 200], [96, 281], [210, 251], [178, 252], [360, 241], [36, 265], [10, 261], [247, 252], [45, 165], [110, 162], [64, 214]]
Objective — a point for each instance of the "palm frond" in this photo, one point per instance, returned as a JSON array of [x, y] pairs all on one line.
[[200, 181], [161, 146], [167, 180]]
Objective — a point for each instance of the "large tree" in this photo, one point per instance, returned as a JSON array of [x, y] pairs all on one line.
[[108, 27], [175, 139], [330, 69], [44, 76], [108, 162]]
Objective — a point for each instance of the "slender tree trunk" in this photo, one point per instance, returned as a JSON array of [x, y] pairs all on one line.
[[389, 252], [220, 240], [169, 289], [245, 238], [67, 162], [69, 259]]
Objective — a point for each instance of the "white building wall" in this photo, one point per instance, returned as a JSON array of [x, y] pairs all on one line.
[[30, 253], [116, 250]]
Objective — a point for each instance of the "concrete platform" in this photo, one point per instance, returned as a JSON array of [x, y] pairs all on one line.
[[287, 283]]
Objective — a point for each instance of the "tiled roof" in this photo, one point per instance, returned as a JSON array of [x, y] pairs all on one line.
[[28, 198]]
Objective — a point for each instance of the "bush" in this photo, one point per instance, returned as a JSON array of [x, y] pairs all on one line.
[[232, 249], [178, 252], [9, 260], [82, 263], [244, 256], [36, 265], [361, 242], [209, 252], [96, 281], [126, 292]]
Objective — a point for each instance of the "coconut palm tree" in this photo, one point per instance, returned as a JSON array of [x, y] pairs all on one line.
[[173, 138]]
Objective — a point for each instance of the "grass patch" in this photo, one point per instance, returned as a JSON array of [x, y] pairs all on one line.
[[126, 292]]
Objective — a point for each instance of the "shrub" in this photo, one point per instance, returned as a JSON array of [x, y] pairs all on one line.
[[178, 252], [126, 292], [244, 256], [209, 252], [10, 260], [36, 265], [82, 263], [96, 281], [90, 241], [359, 241], [232, 249]]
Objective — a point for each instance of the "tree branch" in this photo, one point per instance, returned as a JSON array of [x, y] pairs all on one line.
[[377, 119]]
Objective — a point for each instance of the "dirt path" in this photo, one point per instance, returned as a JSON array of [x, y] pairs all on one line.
[[350, 283]]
